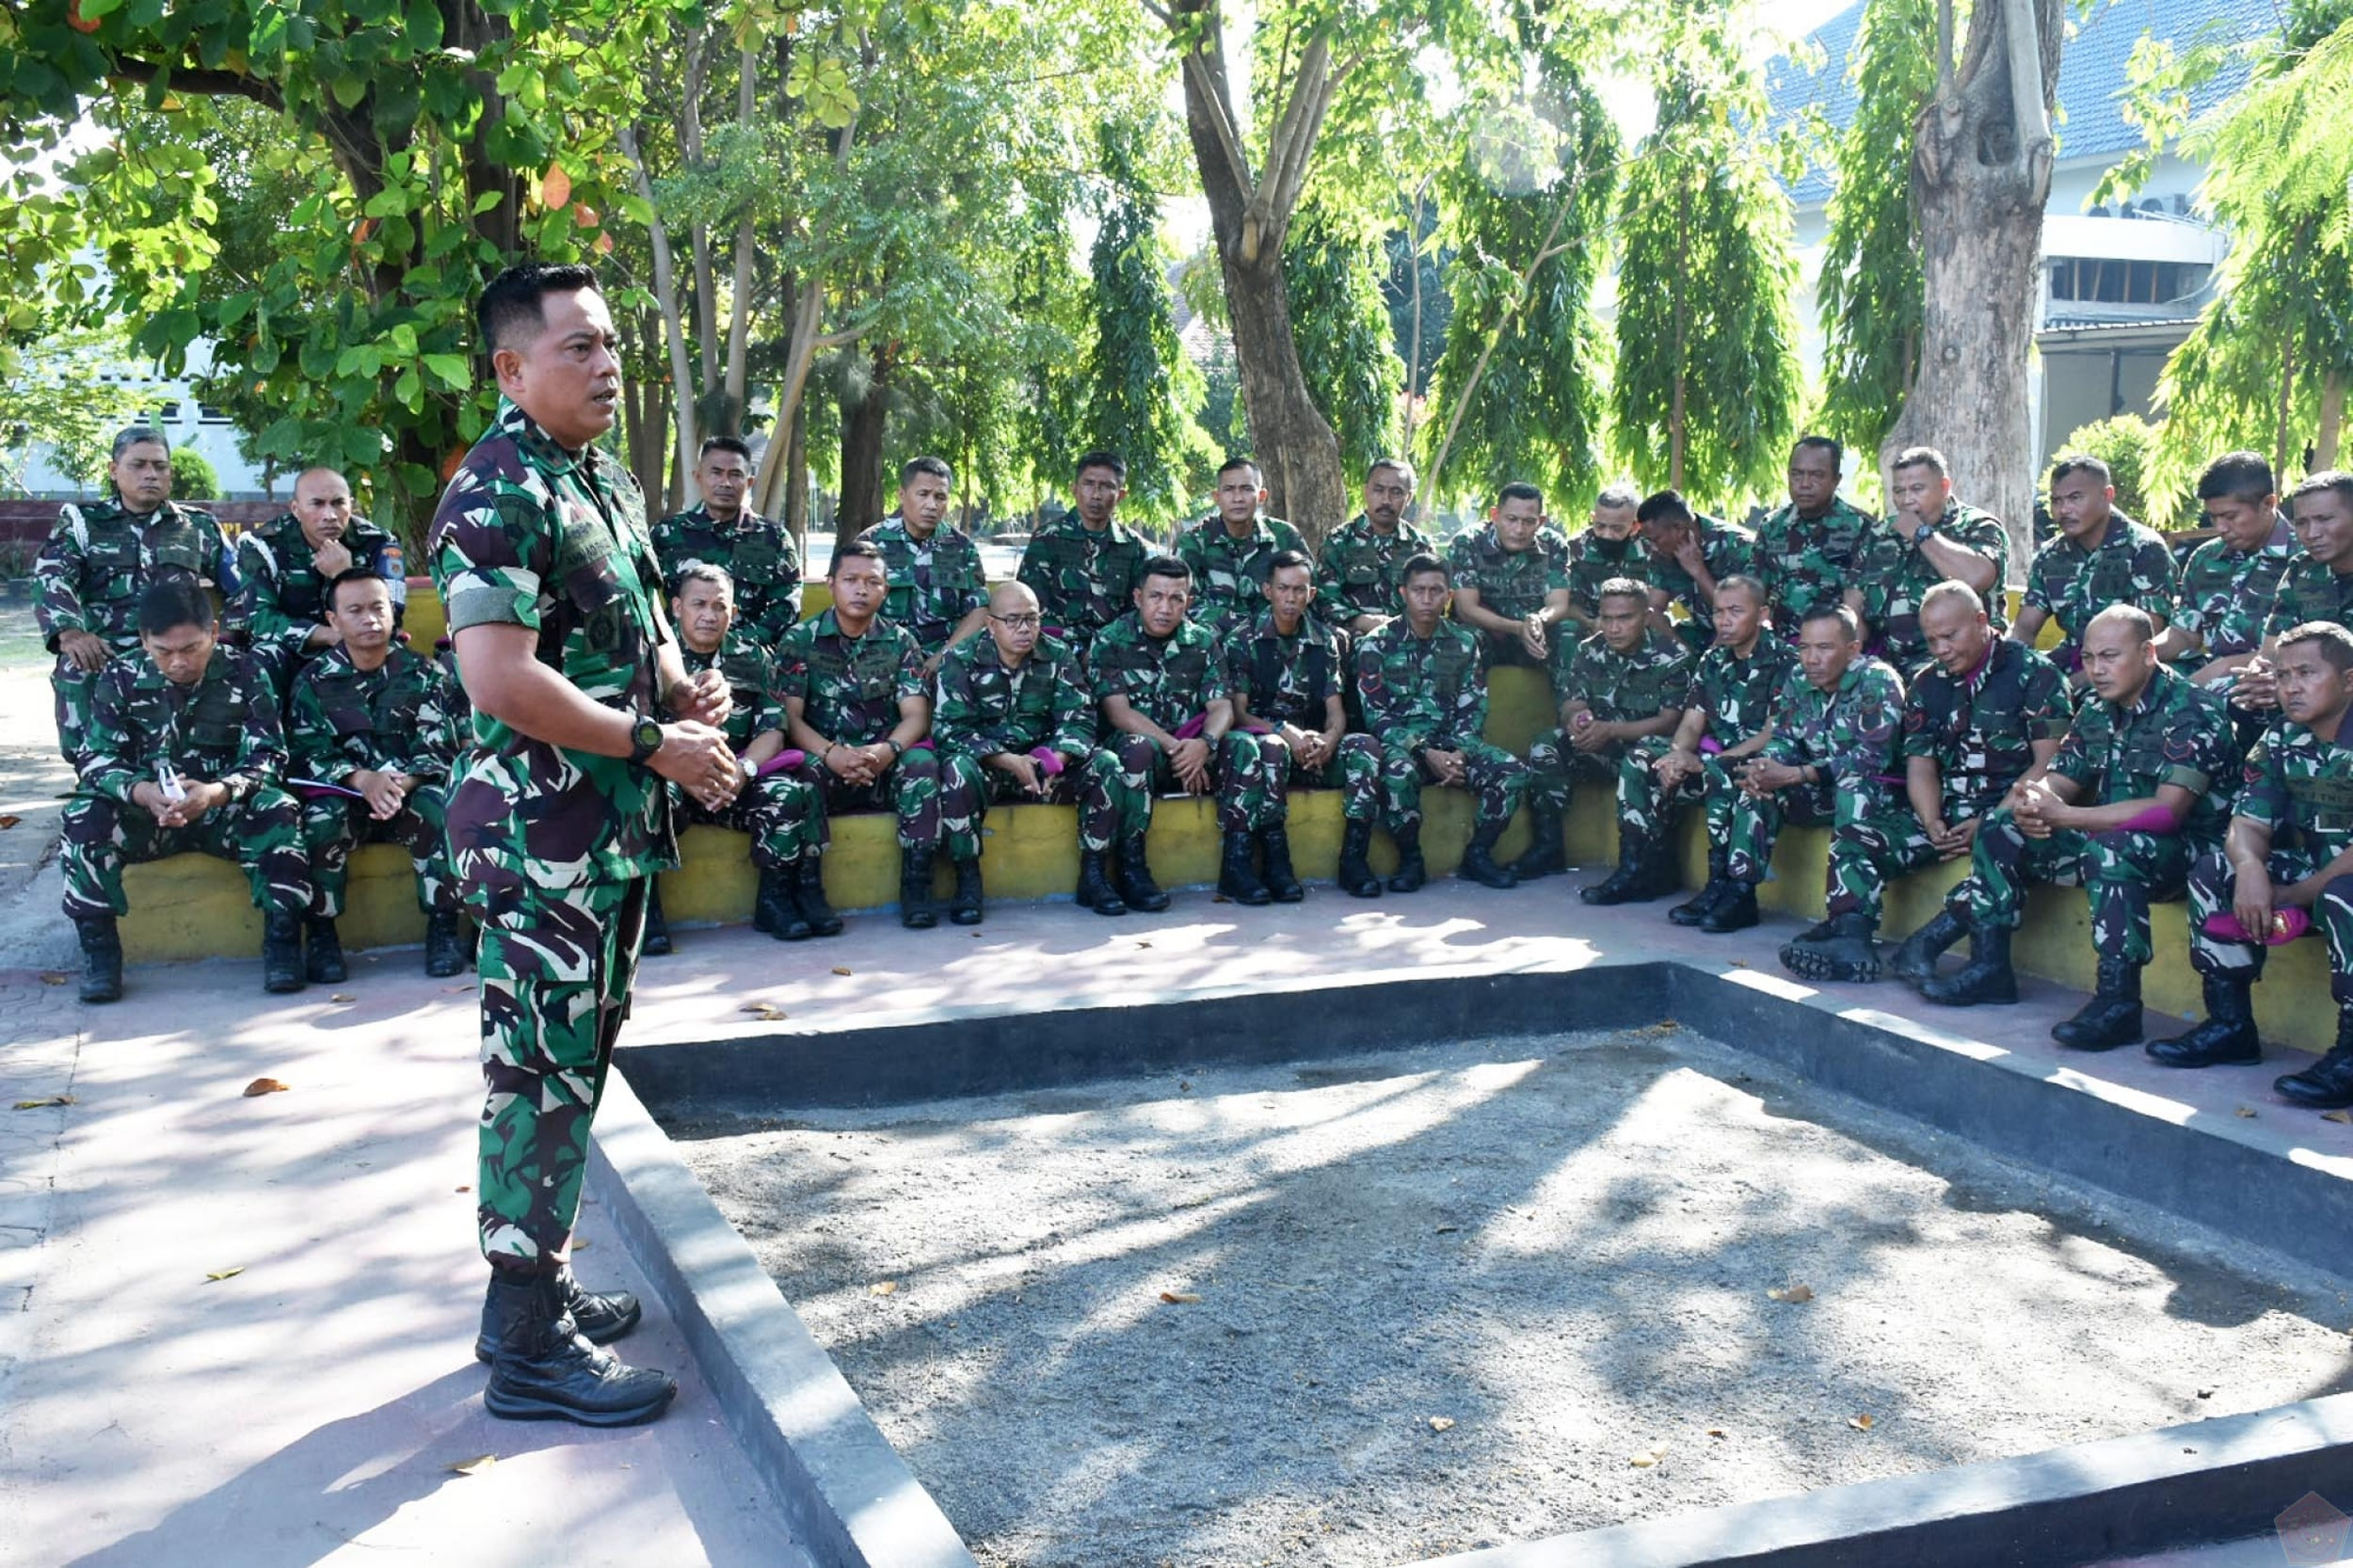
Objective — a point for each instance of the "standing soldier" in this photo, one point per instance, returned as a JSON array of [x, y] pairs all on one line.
[[1810, 552], [558, 817], [937, 590], [371, 717], [1512, 578], [2100, 558], [2230, 583], [284, 566], [1612, 546], [97, 561], [1425, 699], [1286, 671], [2318, 586], [853, 689], [1084, 567], [1165, 712], [185, 757], [2286, 863], [1229, 551], [1690, 554], [1622, 685], [756, 554], [1357, 571], [1015, 722], [1928, 537], [2146, 755], [778, 812]]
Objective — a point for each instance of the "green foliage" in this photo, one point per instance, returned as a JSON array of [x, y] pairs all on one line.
[[1347, 347], [1417, 250], [2127, 444], [70, 391], [193, 476]]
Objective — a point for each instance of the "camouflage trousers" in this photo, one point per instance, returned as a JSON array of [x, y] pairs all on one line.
[[1556, 768], [1354, 771], [1865, 851], [76, 689], [1115, 796], [1648, 808], [555, 969], [909, 787], [261, 833], [780, 812], [969, 787], [334, 826], [2211, 885], [1497, 780], [2121, 873], [1753, 823]]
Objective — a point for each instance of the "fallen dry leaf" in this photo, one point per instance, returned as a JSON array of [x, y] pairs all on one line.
[[475, 1465], [842, 968], [1445, 1230], [1715, 1432], [767, 1012], [1792, 1293], [1442, 1423], [2344, 1116], [8, 820], [2245, 1111], [1649, 1456], [341, 996], [36, 1104], [581, 1243], [1142, 943], [465, 1187], [1739, 963], [1184, 1086], [264, 1086], [461, 985], [1862, 1423], [882, 1287], [1180, 1298], [225, 1274], [54, 977]]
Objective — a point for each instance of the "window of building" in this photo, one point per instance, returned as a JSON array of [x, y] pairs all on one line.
[[2110, 280]]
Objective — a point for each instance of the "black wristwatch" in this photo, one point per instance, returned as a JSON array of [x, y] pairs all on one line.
[[645, 739]]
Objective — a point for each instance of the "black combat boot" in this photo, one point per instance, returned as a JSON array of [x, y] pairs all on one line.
[[2328, 1083], [102, 957], [1733, 910], [1637, 878], [1356, 877], [916, 910], [1095, 892], [1986, 981], [1545, 856], [2228, 1036], [281, 952], [1281, 882], [1135, 878], [542, 1369], [1695, 910], [656, 943], [1410, 871], [2112, 1017], [1844, 954], [1479, 858], [601, 1316], [1914, 963], [965, 907], [1237, 882], [776, 910], [445, 945], [323, 951], [811, 891]]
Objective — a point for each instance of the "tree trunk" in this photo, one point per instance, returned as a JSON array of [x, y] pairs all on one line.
[[796, 480], [865, 418], [1980, 178], [2331, 433]]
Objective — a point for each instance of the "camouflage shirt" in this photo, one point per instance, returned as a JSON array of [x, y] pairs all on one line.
[[986, 707], [1808, 561], [100, 559], [1593, 560], [1167, 680], [1509, 584], [2301, 788], [1422, 692], [1356, 572], [395, 718], [1622, 688], [1084, 580], [530, 535], [1736, 693], [850, 687], [1287, 680], [755, 551], [223, 728], [2129, 566], [1229, 574], [2227, 595], [282, 596], [935, 582], [2177, 733], [1728, 550], [751, 682], [1850, 731], [1896, 572], [1980, 729], [2310, 591]]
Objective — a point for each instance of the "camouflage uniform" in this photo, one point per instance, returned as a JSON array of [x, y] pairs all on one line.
[[98, 560], [758, 553], [1729, 550], [1896, 573], [222, 729], [850, 690], [1593, 560], [1084, 580], [1229, 574], [986, 708], [1423, 694], [2310, 591], [395, 718], [1509, 584], [282, 596], [1849, 733], [1808, 561], [934, 583], [780, 814], [553, 850], [2176, 734], [2129, 566], [2227, 596], [1291, 680], [1736, 694], [1170, 680], [1619, 688], [1356, 570], [2301, 788]]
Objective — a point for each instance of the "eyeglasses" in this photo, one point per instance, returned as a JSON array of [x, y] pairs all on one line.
[[1019, 623]]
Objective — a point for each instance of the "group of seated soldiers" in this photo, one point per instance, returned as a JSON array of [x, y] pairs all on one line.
[[1827, 666]]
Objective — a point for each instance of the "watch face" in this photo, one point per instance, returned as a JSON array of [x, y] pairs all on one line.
[[646, 737]]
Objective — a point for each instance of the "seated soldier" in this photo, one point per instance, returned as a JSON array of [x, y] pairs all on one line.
[[721, 529], [1165, 712], [1085, 566], [1623, 684], [937, 586], [1828, 756], [2317, 585], [1926, 537], [2230, 581], [1014, 722], [853, 689], [370, 716], [1690, 553], [1810, 552], [2127, 805], [1727, 713], [1286, 670], [2289, 848], [1984, 714], [1357, 585], [1230, 551], [2100, 558], [1612, 546], [284, 566], [1425, 703], [1512, 578], [186, 756], [778, 811]]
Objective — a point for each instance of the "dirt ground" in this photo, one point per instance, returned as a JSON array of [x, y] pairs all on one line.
[[1375, 1311]]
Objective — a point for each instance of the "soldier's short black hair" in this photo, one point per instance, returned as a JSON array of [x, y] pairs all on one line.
[[937, 467], [1952, 588], [2331, 479], [1284, 559], [511, 311], [1663, 506], [1100, 459], [352, 574], [2335, 642], [1230, 464], [1923, 456], [858, 550], [1752, 586], [1421, 564], [173, 601], [2143, 624], [1395, 464], [1617, 498], [1823, 443], [2079, 462], [701, 571], [1519, 490], [736, 444], [1849, 622], [2236, 477], [1622, 587], [1165, 566], [138, 435]]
